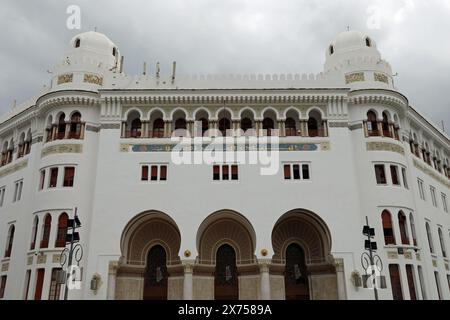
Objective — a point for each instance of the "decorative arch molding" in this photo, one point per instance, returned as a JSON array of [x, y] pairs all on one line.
[[146, 230], [226, 227], [293, 109], [306, 229], [131, 110], [156, 110], [268, 110]]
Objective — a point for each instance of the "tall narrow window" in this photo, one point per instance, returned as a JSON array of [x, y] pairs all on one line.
[[46, 231], [430, 237], [144, 173], [40, 275], [62, 230], [158, 128], [421, 190], [216, 173], [61, 127], [433, 196], [296, 171], [287, 171], [438, 285], [396, 284], [42, 179], [10, 241], [388, 231], [69, 174], [380, 174], [305, 172], [53, 178], [442, 242], [413, 229], [444, 202], [2, 286], [27, 284], [34, 233], [403, 227], [411, 282], [2, 196], [75, 126], [163, 173], [154, 173], [422, 282], [405, 181], [394, 176], [225, 173], [234, 172], [55, 286], [372, 124]]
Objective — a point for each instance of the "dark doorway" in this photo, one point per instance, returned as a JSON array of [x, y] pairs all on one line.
[[296, 275], [155, 283], [226, 286]]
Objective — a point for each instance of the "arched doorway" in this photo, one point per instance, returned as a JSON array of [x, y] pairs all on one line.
[[226, 285], [301, 243], [296, 274], [155, 282]]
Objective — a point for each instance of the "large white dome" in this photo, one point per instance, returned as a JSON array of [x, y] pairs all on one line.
[[352, 40], [94, 41]]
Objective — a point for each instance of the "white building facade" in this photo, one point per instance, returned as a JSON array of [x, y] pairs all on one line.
[[349, 147]]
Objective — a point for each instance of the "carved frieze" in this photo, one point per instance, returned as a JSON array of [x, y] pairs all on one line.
[[354, 77], [93, 78], [385, 146], [62, 148], [381, 77], [65, 78]]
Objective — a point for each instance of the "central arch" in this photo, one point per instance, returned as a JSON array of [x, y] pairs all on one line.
[[150, 244], [301, 243]]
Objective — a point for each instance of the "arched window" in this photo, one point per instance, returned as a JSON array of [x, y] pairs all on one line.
[[27, 144], [246, 124], [156, 275], [205, 125], [226, 286], [46, 231], [9, 241], [158, 128], [9, 153], [61, 126], [136, 127], [368, 42], [21, 149], [388, 230], [315, 128], [331, 50], [34, 233], [49, 129], [403, 228], [442, 241], [385, 126], [224, 125], [372, 124], [114, 52], [430, 237], [62, 230], [296, 274], [180, 124], [268, 126], [77, 43], [291, 128], [5, 153], [413, 229], [75, 126]]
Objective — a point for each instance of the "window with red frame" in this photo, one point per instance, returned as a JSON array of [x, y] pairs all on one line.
[[69, 175], [53, 178], [62, 230], [46, 231]]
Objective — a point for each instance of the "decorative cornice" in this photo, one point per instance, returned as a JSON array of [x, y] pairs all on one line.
[[73, 98], [13, 168], [427, 170]]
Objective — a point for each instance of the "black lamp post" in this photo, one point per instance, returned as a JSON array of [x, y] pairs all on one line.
[[370, 259], [75, 250]]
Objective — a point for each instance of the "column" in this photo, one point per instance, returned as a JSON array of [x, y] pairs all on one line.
[[325, 128], [111, 288], [144, 129], [190, 127], [340, 277], [265, 280], [167, 128], [83, 127], [188, 290], [236, 127], [380, 128], [124, 128], [258, 127], [304, 125], [54, 132], [281, 128], [66, 133]]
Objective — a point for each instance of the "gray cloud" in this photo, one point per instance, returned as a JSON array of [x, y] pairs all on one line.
[[231, 36]]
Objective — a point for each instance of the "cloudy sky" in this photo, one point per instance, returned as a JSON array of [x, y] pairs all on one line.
[[232, 36]]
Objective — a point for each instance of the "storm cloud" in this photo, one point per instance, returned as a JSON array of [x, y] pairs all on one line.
[[232, 36]]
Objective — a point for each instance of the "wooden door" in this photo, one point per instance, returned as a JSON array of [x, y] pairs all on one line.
[[296, 274], [226, 285], [39, 284], [396, 284], [156, 275]]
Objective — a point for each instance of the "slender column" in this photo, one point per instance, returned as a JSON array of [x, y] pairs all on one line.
[[54, 132], [325, 128], [190, 127], [144, 129], [258, 127], [168, 128], [66, 133], [380, 128], [188, 291], [83, 127], [124, 128], [305, 132], [265, 281]]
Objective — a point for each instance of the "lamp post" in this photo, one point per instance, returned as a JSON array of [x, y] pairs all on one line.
[[75, 250], [370, 259]]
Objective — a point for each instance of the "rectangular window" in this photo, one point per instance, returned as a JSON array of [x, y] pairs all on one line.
[[438, 285], [234, 172], [394, 176], [421, 191], [16, 188], [144, 173], [296, 171], [216, 173], [287, 172], [305, 172], [225, 174], [422, 283], [69, 175], [163, 173], [444, 202], [27, 284], [53, 178], [2, 196], [411, 282], [433, 195], [380, 174], [42, 180], [55, 286], [405, 181], [2, 286], [396, 284], [19, 192], [154, 173]]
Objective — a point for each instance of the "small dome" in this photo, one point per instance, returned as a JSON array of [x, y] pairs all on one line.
[[94, 41], [349, 41]]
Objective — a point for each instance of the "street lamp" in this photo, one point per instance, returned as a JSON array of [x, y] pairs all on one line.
[[75, 250], [369, 259]]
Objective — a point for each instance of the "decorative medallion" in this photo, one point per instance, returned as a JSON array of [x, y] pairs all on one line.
[[264, 252], [187, 253], [381, 77], [354, 77], [93, 78], [65, 78]]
